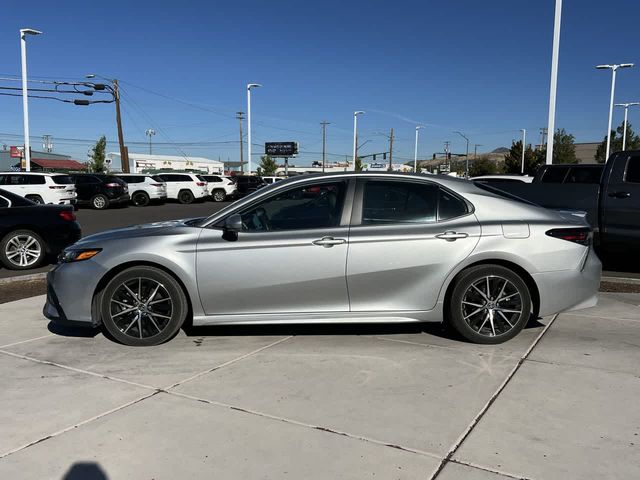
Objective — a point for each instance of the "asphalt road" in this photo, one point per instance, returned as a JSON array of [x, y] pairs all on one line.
[[94, 221]]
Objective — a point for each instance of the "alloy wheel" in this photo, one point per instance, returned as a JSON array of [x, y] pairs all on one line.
[[492, 305], [99, 202], [23, 250], [141, 307]]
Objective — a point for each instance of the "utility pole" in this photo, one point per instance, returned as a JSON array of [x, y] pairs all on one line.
[[324, 141], [240, 117], [391, 151], [543, 135], [524, 147], [47, 144], [124, 159], [150, 132], [475, 151]]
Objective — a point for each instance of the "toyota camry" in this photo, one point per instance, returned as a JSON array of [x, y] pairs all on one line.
[[350, 247]]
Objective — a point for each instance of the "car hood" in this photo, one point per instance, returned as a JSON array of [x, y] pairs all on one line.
[[170, 227]]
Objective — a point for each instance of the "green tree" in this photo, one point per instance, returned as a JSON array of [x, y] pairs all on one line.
[[633, 142], [564, 148], [513, 159], [268, 166], [482, 165], [98, 156]]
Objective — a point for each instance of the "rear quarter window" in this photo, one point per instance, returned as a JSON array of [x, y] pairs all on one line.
[[554, 175], [35, 180], [450, 206], [62, 180]]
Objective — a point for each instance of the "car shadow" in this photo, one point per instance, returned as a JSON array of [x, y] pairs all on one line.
[[69, 331]]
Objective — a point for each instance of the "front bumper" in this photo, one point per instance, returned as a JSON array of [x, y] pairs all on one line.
[[70, 291]]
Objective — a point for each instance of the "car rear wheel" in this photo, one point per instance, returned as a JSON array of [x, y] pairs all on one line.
[[21, 250], [489, 304], [143, 306], [140, 199], [99, 202], [35, 199], [219, 196], [185, 197]]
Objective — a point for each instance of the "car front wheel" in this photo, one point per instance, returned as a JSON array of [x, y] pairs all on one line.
[[143, 306], [489, 304]]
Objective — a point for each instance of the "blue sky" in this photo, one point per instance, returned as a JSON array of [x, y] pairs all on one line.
[[481, 67]]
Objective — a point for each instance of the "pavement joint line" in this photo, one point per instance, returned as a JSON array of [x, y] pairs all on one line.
[[575, 365], [26, 341], [80, 424], [475, 352], [79, 370], [490, 470], [229, 362], [465, 434], [306, 425], [600, 317]]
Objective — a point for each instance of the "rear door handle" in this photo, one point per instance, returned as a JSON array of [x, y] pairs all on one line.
[[450, 236], [328, 242], [619, 194]]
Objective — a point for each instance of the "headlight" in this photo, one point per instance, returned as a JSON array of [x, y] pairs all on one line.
[[76, 255]]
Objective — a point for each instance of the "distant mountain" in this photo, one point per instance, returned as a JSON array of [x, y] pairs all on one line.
[[501, 150]]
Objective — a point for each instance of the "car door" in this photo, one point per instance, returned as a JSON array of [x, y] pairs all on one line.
[[170, 180], [406, 236], [290, 256], [621, 204]]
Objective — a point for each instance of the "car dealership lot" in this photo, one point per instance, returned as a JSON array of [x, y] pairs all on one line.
[[324, 401]]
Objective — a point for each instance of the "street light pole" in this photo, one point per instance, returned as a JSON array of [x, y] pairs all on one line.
[[415, 153], [524, 142], [614, 69], [624, 125], [475, 150], [239, 116], [249, 87], [149, 133], [324, 141], [355, 136], [554, 80], [25, 103], [466, 173]]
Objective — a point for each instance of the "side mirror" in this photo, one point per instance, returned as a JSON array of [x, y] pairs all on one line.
[[233, 223]]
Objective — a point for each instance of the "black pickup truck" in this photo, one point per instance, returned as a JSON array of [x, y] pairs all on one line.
[[612, 206]]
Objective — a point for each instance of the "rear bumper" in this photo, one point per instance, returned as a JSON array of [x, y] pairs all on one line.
[[569, 289]]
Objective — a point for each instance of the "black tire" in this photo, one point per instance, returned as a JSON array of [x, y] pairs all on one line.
[[13, 257], [35, 199], [219, 195], [140, 199], [160, 320], [185, 197], [99, 202], [484, 304]]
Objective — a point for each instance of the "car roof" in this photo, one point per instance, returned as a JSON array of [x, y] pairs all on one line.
[[34, 173]]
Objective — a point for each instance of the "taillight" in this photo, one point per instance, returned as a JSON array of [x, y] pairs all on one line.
[[68, 215], [112, 185], [200, 184], [575, 235], [56, 187]]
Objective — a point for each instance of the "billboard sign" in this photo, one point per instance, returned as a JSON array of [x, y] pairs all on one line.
[[281, 149], [16, 152]]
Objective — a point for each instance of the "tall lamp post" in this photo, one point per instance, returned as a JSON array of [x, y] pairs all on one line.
[[524, 143], [624, 125], [25, 104], [149, 133], [249, 87], [355, 136], [466, 173], [415, 152], [551, 125], [614, 69]]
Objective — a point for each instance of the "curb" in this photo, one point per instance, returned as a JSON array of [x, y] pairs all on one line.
[[621, 280], [24, 278]]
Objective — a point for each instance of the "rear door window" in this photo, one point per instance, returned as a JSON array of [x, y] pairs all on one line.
[[388, 202], [554, 175], [35, 179]]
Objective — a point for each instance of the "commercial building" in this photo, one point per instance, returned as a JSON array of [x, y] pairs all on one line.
[[141, 162], [41, 162]]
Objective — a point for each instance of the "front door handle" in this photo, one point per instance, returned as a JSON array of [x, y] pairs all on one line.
[[328, 242], [619, 194], [451, 236]]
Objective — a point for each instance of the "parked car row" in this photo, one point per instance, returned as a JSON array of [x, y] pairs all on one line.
[[100, 191]]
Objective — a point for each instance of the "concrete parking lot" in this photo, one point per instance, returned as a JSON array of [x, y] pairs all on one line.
[[323, 401]]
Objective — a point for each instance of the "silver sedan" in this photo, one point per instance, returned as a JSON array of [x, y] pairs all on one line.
[[349, 247]]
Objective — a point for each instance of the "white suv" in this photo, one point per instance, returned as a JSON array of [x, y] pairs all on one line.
[[56, 188], [144, 188], [185, 187], [220, 187]]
